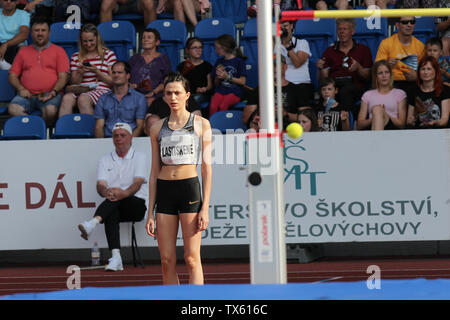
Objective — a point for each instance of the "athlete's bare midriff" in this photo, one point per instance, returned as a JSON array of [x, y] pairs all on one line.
[[178, 172]]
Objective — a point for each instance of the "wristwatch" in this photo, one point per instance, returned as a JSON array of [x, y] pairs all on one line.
[[290, 47]]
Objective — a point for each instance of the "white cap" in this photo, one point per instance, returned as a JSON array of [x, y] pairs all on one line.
[[122, 125]]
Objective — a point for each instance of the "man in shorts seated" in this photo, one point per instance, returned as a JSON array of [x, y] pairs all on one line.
[[145, 7], [39, 73]]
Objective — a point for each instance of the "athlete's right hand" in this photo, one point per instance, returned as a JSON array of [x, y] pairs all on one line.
[[150, 226]]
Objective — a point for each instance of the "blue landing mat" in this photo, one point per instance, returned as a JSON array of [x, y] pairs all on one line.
[[416, 289]]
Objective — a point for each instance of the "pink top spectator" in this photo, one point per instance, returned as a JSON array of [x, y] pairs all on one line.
[[390, 100]]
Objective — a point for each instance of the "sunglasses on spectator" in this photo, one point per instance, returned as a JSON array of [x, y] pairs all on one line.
[[405, 22]]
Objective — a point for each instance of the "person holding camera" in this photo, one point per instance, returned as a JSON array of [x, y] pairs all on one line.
[[348, 63], [90, 72], [297, 53]]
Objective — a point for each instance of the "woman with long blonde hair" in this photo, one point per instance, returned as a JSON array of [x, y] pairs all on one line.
[[90, 67]]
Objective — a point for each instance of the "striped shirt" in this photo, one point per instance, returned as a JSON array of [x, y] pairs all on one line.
[[89, 77]]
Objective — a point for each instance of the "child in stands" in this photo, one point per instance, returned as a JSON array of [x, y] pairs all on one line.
[[433, 48], [229, 74]]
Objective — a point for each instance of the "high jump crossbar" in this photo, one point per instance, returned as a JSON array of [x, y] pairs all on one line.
[[387, 13]]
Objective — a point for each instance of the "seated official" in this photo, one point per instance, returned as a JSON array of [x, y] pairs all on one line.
[[121, 179]]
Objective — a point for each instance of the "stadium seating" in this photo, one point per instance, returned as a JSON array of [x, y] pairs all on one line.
[[319, 33], [65, 35], [24, 127], [119, 36], [371, 37], [223, 120], [249, 40], [173, 37], [74, 126], [425, 28], [7, 91], [235, 10], [208, 30]]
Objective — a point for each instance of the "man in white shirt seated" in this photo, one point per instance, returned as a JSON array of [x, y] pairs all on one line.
[[121, 179]]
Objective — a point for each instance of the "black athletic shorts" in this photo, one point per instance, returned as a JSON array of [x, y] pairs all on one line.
[[178, 196]]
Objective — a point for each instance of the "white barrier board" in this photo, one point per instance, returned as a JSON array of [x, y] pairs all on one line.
[[339, 187]]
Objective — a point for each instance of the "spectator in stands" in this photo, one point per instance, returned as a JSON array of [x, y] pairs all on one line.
[[383, 107], [159, 109], [184, 8], [291, 100], [297, 53], [121, 180], [284, 5], [381, 4], [39, 72], [40, 7], [398, 47], [196, 70], [121, 104], [90, 67], [429, 103], [150, 68], [89, 9], [348, 63], [308, 120], [328, 4], [433, 48], [411, 4], [14, 28], [229, 74], [331, 115], [110, 7], [443, 26]]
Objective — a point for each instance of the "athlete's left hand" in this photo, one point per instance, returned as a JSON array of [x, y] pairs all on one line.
[[203, 219]]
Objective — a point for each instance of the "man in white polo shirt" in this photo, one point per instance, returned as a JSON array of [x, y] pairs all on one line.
[[121, 177]]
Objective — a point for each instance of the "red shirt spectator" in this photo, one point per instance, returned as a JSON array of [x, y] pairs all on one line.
[[38, 70]]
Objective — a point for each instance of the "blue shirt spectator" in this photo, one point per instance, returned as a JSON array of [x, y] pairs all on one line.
[[121, 104]]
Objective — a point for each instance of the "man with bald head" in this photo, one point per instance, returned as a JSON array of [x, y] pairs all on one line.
[[121, 176]]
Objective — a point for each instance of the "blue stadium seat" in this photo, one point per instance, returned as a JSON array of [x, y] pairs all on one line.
[[129, 17], [208, 30], [371, 37], [65, 35], [235, 10], [119, 36], [230, 119], [320, 34], [24, 128], [7, 91], [74, 126], [425, 28], [173, 37], [249, 40]]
